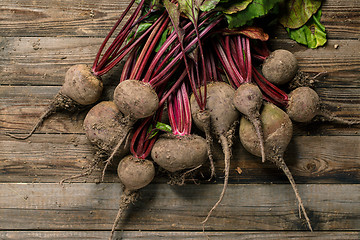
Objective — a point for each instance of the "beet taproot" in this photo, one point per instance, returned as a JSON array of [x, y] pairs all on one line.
[[223, 116], [248, 100], [81, 88], [278, 129], [134, 174]]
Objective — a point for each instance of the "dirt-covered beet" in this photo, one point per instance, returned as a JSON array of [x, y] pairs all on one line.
[[278, 129], [303, 104], [220, 106], [176, 153], [280, 67], [248, 100], [223, 116], [134, 174], [136, 99], [104, 126], [81, 87]]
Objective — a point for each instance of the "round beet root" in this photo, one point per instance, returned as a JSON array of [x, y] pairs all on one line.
[[135, 173], [104, 127], [223, 115], [280, 67], [81, 85], [248, 100], [176, 153], [136, 99], [219, 103], [303, 104], [277, 128]]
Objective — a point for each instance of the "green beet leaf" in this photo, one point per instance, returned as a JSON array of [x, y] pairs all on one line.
[[237, 7], [208, 5], [158, 127], [297, 12], [312, 34], [255, 9]]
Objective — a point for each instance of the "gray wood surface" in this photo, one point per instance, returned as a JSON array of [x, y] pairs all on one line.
[[85, 206], [312, 159], [40, 40], [156, 235]]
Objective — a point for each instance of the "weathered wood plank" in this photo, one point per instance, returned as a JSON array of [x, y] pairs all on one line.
[[163, 207], [312, 159], [156, 235], [20, 106], [95, 18], [44, 61], [59, 18]]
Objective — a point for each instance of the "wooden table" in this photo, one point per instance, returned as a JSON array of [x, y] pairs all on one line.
[[41, 39]]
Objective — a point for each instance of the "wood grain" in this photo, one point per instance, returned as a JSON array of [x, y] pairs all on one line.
[[162, 207], [41, 39], [20, 106], [95, 18], [59, 18], [44, 61], [158, 235], [312, 159]]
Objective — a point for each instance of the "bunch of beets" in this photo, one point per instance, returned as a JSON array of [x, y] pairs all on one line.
[[181, 69]]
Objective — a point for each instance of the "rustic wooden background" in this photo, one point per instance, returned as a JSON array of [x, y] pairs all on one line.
[[41, 39]]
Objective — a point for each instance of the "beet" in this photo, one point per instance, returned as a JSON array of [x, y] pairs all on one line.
[[304, 104], [176, 153], [248, 100], [134, 174], [81, 87], [104, 126], [136, 99], [223, 116], [280, 67], [277, 128]]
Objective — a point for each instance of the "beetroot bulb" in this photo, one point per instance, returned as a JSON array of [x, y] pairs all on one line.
[[134, 174], [280, 67], [179, 150], [278, 129], [81, 88], [304, 104], [103, 125]]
